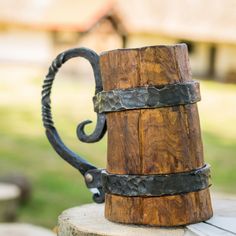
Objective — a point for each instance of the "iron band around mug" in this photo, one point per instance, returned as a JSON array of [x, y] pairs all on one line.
[[156, 185], [147, 97]]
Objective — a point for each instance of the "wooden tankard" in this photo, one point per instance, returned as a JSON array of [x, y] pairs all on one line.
[[146, 100]]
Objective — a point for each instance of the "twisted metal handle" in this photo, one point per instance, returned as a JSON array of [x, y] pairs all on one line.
[[72, 158]]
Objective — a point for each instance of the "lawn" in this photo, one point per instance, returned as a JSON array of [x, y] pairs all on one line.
[[56, 185]]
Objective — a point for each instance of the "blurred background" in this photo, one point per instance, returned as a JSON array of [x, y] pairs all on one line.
[[33, 32]]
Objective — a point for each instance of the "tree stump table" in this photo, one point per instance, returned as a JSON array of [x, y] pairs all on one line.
[[9, 196], [89, 220], [19, 229]]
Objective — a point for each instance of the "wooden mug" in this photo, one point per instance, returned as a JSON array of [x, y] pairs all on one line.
[[146, 100]]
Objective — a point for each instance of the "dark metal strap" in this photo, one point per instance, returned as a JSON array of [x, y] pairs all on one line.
[[156, 185], [147, 97]]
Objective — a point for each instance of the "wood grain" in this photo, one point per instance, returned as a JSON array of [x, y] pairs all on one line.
[[153, 141], [162, 211]]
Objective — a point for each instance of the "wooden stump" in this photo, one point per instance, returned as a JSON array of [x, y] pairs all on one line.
[[153, 141], [19, 229], [9, 197], [88, 220]]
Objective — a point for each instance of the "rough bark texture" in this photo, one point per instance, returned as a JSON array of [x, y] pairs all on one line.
[[153, 141]]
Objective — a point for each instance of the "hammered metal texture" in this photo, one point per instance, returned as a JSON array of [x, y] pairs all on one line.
[[147, 97], [156, 185]]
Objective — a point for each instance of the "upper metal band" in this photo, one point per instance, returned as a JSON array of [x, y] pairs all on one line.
[[147, 97], [156, 185]]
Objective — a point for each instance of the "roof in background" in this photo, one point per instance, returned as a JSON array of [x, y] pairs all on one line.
[[72, 15], [202, 20]]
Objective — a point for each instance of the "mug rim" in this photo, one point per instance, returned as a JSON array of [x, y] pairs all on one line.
[[184, 45]]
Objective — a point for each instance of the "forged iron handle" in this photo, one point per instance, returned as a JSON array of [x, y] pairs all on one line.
[[90, 172]]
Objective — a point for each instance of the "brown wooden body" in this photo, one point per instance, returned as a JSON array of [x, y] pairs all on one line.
[[153, 141]]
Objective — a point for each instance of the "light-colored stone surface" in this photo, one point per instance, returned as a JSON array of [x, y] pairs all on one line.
[[88, 220], [16, 229]]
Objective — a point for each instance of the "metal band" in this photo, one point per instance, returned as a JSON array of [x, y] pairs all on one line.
[[156, 185], [147, 97]]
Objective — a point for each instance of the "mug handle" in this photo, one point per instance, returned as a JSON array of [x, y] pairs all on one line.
[[91, 173]]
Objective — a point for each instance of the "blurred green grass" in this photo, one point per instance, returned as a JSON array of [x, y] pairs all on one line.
[[56, 185]]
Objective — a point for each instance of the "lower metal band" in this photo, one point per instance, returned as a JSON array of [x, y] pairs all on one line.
[[156, 185], [147, 97]]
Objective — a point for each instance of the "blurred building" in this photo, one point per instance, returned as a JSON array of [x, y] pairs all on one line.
[[34, 31]]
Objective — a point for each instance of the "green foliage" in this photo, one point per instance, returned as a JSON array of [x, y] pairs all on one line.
[[56, 185], [218, 115]]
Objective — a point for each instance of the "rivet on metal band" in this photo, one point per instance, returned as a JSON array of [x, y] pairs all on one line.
[[156, 185], [147, 97]]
